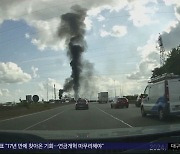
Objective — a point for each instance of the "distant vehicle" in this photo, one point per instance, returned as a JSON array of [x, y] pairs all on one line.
[[162, 96], [92, 100], [51, 101], [81, 104], [120, 103], [8, 104], [139, 100], [67, 101], [103, 97], [72, 100], [110, 100]]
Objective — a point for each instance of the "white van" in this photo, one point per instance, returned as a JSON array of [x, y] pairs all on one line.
[[162, 96]]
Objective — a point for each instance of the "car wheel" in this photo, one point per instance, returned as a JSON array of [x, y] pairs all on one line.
[[111, 106], [143, 113], [161, 114]]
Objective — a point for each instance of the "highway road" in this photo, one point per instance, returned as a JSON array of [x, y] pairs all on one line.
[[99, 116]]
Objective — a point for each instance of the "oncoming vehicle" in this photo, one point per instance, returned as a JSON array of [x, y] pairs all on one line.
[[81, 104], [162, 96], [120, 103]]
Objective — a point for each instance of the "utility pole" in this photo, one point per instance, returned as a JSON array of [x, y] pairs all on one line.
[[114, 89], [47, 91], [54, 92], [162, 50], [120, 91]]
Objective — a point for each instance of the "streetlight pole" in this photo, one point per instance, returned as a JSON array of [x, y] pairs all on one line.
[[47, 91], [114, 89]]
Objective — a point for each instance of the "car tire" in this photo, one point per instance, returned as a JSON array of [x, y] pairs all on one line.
[[143, 113], [161, 114], [111, 106]]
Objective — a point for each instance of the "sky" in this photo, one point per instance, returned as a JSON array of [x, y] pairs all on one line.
[[121, 37]]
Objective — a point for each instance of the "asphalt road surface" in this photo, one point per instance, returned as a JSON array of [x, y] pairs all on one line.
[[99, 116]]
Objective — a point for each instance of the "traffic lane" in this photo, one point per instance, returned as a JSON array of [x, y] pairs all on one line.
[[132, 116], [81, 120], [23, 122]]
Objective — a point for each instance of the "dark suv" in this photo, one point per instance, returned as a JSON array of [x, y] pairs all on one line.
[[81, 104], [120, 103]]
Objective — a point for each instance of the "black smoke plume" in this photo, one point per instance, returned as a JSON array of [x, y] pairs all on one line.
[[72, 29]]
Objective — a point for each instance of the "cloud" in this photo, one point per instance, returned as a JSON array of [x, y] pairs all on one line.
[[12, 73], [149, 47], [176, 6], [150, 54], [140, 13], [171, 36], [117, 31], [34, 71], [144, 70], [104, 33], [50, 83], [27, 35], [4, 92], [149, 60], [88, 23], [47, 35], [171, 33], [101, 18], [44, 17]]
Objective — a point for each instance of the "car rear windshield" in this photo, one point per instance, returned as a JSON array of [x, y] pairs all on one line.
[[82, 101], [121, 99]]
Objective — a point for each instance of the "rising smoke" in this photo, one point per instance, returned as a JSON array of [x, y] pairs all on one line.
[[72, 29]]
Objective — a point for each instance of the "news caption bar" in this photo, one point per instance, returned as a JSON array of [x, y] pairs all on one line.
[[90, 146]]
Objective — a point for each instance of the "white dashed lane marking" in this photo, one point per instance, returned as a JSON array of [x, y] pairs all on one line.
[[115, 117], [44, 120]]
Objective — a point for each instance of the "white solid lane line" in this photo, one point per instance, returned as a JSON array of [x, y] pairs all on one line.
[[44, 120], [115, 117]]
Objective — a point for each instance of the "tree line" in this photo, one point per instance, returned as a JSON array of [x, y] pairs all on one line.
[[172, 64]]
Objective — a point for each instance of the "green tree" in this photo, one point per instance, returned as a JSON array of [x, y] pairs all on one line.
[[172, 64]]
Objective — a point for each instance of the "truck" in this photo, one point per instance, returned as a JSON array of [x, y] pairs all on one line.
[[162, 96], [103, 97]]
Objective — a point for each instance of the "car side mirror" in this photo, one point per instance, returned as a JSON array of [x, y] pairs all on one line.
[[144, 95]]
